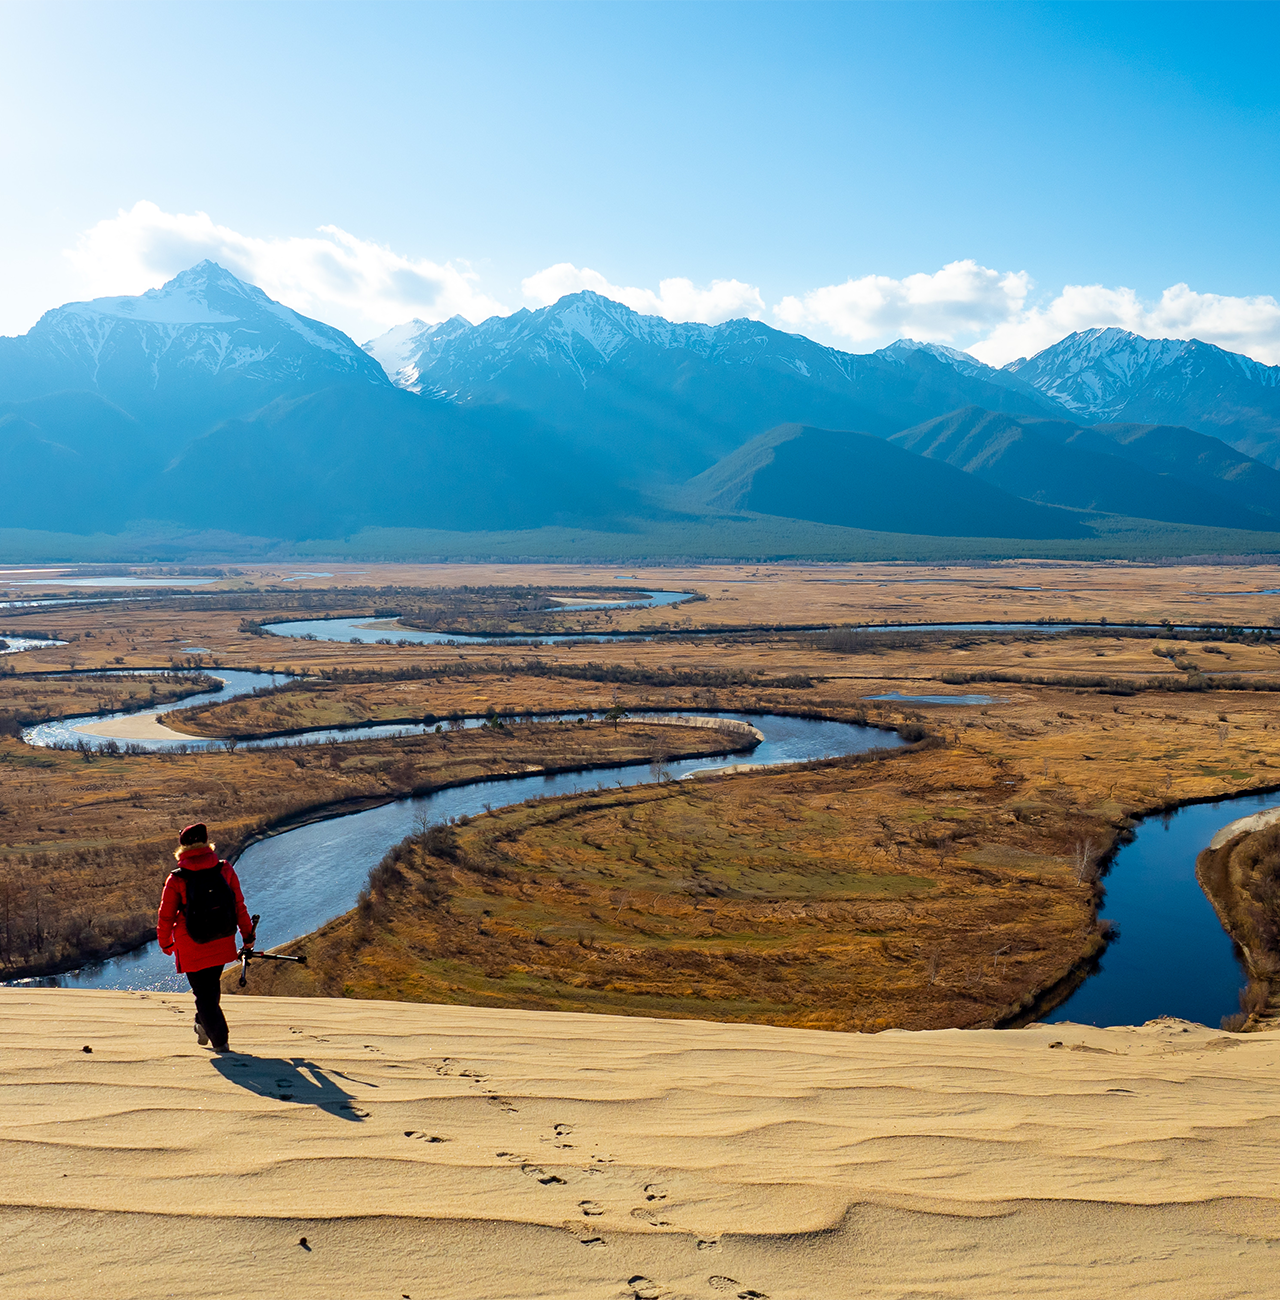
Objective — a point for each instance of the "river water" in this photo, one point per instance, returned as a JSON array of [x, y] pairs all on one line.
[[234, 682], [366, 631], [1173, 957]]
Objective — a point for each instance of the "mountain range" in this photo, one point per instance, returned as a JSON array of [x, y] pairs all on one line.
[[207, 404], [666, 400]]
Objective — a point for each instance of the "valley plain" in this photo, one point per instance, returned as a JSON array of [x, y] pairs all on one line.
[[952, 881]]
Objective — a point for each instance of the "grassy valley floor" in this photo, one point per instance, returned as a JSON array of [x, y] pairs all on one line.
[[855, 895]]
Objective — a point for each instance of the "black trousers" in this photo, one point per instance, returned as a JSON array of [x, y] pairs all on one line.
[[207, 986]]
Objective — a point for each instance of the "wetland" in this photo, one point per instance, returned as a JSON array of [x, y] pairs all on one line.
[[975, 874]]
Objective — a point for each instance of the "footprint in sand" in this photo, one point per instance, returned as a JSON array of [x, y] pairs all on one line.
[[644, 1288], [591, 1208], [655, 1192], [503, 1105], [546, 1179], [730, 1284], [423, 1137], [709, 1244], [595, 1243], [648, 1214]]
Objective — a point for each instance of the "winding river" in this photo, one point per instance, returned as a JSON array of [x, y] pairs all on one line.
[[302, 878], [387, 631]]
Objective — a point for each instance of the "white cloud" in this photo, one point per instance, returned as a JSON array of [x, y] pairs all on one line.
[[365, 288], [676, 299], [986, 311], [333, 276], [1248, 325], [953, 304]]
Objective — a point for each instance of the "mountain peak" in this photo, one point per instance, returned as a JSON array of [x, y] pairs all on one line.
[[202, 321], [962, 361], [203, 294], [1111, 374]]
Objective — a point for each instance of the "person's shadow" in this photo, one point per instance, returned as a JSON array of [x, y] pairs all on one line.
[[297, 1080]]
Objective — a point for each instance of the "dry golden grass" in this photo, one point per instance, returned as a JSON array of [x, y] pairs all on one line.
[[854, 895], [737, 596], [1242, 880]]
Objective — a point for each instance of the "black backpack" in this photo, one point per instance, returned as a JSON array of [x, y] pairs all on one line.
[[210, 908]]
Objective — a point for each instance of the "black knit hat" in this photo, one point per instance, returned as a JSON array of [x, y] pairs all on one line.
[[198, 833]]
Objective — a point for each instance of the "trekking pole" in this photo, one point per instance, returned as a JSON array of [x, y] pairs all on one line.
[[246, 954]]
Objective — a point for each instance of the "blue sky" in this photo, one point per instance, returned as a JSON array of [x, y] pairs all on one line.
[[821, 164]]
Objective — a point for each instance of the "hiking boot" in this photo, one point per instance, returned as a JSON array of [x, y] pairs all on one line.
[[222, 1047], [201, 1037]]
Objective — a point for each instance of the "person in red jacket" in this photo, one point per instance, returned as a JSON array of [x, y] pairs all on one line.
[[215, 909]]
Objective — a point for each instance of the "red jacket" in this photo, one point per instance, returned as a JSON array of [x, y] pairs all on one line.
[[171, 924]]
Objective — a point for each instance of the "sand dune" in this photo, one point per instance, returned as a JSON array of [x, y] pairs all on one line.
[[443, 1152]]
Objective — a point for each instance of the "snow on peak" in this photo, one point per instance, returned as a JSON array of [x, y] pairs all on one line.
[[184, 300], [962, 361], [401, 350], [394, 349], [1096, 372], [1092, 372]]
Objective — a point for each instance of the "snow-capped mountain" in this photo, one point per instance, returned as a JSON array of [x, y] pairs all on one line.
[[204, 330], [961, 361], [667, 399], [207, 403], [1104, 375], [585, 330]]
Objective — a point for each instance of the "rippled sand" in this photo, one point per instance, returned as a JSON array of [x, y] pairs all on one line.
[[438, 1152]]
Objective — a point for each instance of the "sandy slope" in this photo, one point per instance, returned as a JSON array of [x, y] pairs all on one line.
[[606, 1158]]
